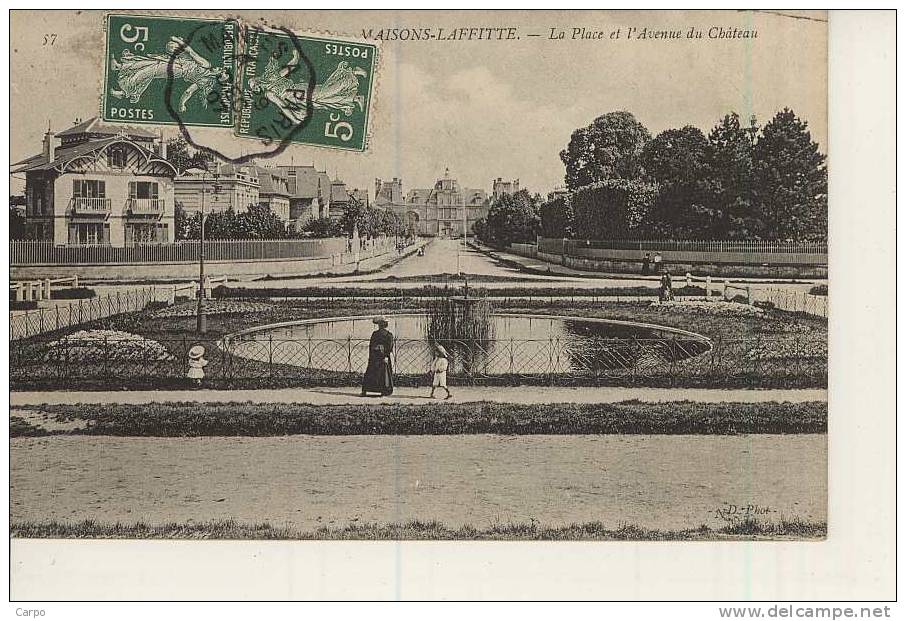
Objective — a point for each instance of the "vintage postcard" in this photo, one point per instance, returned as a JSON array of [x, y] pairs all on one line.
[[459, 276]]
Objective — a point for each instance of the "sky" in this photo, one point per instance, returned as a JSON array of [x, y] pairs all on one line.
[[483, 109]]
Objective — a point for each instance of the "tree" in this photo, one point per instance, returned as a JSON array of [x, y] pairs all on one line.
[[179, 154], [790, 189], [728, 180], [557, 218], [677, 161], [221, 225], [182, 221], [480, 230], [609, 148], [17, 228], [259, 222], [514, 218], [322, 227]]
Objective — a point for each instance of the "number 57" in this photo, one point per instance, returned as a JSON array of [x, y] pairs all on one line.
[[341, 130]]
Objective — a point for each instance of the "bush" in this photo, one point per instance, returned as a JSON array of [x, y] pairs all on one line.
[[612, 209], [557, 218], [22, 305], [72, 293], [818, 290]]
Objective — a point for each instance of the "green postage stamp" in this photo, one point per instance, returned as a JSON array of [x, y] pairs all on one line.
[[166, 70], [270, 85], [305, 90]]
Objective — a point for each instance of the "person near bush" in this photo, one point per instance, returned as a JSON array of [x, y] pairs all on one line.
[[658, 259], [440, 364], [666, 286], [197, 363], [646, 264]]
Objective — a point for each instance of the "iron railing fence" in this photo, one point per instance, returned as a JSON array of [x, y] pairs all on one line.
[[792, 301], [760, 246], [30, 252], [104, 361], [30, 323]]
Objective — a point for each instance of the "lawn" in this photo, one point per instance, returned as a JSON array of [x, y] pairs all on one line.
[[740, 530], [248, 419]]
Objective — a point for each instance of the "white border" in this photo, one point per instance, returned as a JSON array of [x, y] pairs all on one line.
[[856, 562]]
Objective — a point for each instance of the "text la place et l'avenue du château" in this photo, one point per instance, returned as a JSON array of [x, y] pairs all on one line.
[[512, 33]]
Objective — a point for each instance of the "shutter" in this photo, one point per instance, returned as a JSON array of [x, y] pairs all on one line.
[[73, 235], [129, 233], [105, 239], [164, 233]]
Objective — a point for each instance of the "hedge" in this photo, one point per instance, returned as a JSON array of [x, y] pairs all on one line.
[[557, 218], [612, 209]]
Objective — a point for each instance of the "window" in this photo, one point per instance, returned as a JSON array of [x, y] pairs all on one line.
[[142, 189], [116, 156], [88, 188], [89, 234], [147, 233]]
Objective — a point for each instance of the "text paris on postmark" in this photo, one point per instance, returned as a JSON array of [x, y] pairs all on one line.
[[285, 80]]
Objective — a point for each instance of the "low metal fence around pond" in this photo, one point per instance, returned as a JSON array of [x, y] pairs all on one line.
[[30, 323], [255, 360]]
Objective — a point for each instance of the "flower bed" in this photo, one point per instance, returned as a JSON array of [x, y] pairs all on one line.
[[710, 307], [213, 307], [785, 349], [88, 345]]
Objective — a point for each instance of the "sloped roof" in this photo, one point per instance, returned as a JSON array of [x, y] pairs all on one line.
[[272, 181], [307, 181], [419, 195], [95, 126], [65, 155]]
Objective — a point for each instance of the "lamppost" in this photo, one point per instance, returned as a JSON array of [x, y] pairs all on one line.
[[201, 320], [752, 129]]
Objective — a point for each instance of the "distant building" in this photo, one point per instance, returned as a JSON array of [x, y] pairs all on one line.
[[274, 191], [439, 211], [230, 186], [501, 187], [557, 193], [98, 184], [341, 197], [309, 194]]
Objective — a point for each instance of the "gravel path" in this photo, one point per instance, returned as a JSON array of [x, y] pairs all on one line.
[[462, 394]]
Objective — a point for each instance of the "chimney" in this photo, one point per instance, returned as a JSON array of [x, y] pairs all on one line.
[[50, 144]]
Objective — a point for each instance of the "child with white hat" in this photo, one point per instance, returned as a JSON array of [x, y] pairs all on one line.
[[440, 365], [197, 363]]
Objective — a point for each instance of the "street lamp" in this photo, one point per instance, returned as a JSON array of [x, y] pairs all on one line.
[[201, 323], [752, 129]]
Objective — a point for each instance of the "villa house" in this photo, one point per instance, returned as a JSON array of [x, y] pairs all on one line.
[[98, 184]]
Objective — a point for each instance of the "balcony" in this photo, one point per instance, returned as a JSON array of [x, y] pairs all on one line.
[[145, 206], [96, 206]]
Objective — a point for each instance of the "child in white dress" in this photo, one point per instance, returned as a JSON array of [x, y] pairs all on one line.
[[197, 363], [440, 365]]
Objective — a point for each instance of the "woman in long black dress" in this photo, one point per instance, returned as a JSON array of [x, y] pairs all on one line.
[[379, 374]]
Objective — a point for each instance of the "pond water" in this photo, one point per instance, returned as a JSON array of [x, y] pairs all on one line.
[[520, 344]]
